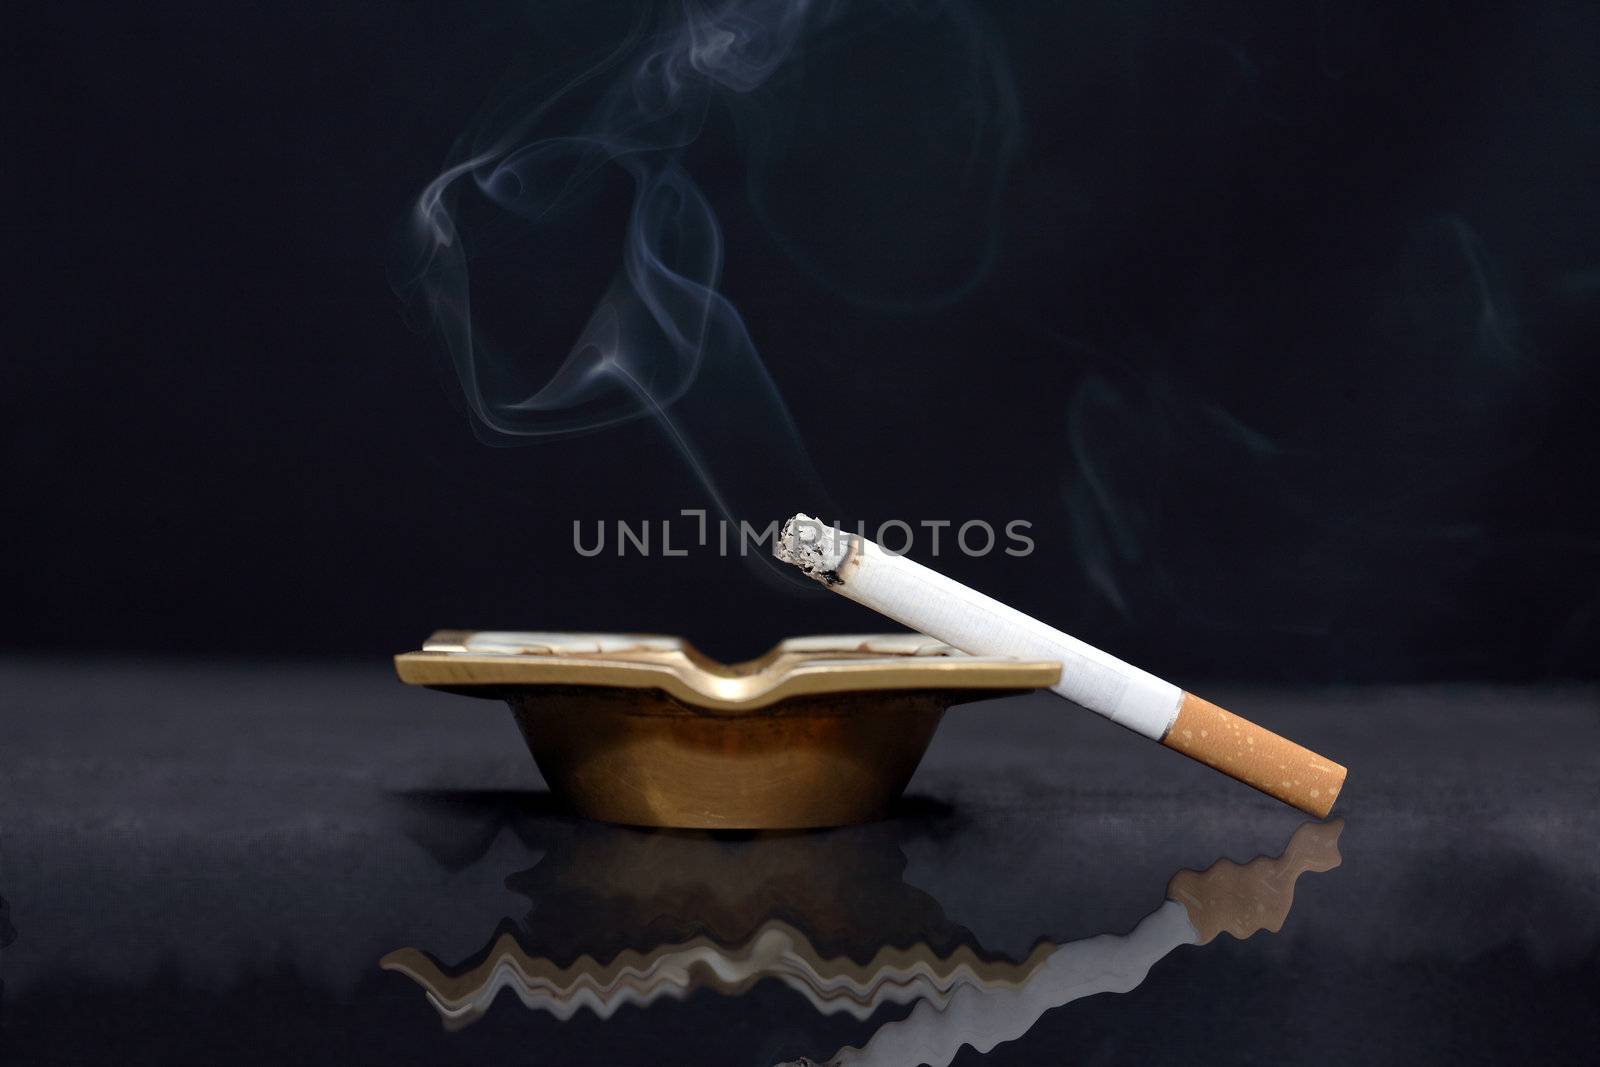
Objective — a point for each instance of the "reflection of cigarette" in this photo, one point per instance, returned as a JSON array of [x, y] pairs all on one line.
[[1240, 900], [928, 602]]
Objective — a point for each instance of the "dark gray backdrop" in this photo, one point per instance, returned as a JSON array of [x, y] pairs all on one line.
[[1285, 347]]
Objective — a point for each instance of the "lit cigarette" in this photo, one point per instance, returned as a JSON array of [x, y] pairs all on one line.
[[930, 603]]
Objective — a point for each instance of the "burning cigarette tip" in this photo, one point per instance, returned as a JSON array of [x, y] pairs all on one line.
[[820, 551]]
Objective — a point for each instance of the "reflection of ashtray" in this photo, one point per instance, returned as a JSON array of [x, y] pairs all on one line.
[[820, 731], [624, 920]]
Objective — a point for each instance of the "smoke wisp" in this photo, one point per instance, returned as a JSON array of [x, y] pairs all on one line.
[[512, 238]]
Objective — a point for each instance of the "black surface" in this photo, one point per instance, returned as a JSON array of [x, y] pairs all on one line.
[[205, 863], [1286, 346]]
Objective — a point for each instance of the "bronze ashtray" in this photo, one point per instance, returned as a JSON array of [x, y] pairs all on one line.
[[647, 731]]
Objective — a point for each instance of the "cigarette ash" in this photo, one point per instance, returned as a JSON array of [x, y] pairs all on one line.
[[820, 551]]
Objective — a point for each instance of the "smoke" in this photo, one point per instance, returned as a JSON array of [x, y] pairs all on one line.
[[510, 243], [514, 230], [516, 208]]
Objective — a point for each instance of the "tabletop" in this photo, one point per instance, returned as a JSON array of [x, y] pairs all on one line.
[[279, 862]]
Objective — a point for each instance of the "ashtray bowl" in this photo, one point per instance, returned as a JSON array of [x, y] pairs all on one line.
[[645, 730]]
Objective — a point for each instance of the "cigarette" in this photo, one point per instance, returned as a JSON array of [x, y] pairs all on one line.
[[944, 609]]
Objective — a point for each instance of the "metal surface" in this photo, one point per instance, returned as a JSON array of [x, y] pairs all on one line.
[[647, 731]]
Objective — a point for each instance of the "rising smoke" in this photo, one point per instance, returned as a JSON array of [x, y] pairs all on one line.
[[501, 237]]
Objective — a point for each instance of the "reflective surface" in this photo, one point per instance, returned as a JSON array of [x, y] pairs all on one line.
[[288, 864], [958, 996]]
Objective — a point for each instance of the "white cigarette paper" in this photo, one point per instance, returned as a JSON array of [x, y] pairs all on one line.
[[930, 603]]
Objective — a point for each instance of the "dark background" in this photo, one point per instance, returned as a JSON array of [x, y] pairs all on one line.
[[1276, 320], [1285, 348]]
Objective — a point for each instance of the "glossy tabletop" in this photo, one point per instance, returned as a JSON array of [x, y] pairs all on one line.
[[282, 862]]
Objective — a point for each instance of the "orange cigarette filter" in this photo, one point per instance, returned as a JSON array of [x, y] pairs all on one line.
[[1255, 756]]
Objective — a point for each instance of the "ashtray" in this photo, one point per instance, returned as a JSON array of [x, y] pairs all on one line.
[[647, 731]]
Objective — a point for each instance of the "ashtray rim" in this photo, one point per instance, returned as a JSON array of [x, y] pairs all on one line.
[[463, 660]]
